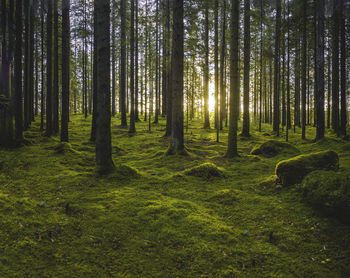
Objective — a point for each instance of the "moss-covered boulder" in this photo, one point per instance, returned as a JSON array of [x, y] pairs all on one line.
[[329, 192], [292, 171], [205, 171], [273, 147]]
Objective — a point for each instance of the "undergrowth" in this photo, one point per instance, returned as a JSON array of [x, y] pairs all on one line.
[[151, 218]]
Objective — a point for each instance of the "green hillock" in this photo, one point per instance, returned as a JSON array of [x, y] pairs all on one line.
[[272, 148], [329, 192], [293, 170]]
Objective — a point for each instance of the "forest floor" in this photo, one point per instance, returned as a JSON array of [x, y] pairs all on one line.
[[149, 219]]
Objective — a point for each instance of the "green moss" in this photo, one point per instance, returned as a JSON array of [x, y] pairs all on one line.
[[205, 171], [64, 148], [329, 192], [123, 172], [293, 170], [273, 147], [59, 219]]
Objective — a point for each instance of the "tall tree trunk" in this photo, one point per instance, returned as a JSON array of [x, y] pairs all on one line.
[[137, 119], [329, 89], [26, 67], [216, 65], [303, 70], [156, 68], [232, 150], [320, 70], [103, 131], [206, 66], [169, 97], [335, 67], [222, 66], [18, 74], [122, 100], [177, 131], [261, 65], [132, 62], [49, 70], [55, 124], [65, 69], [113, 23], [246, 120], [297, 82], [42, 99], [276, 97], [343, 112]]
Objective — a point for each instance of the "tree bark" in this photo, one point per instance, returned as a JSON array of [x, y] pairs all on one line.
[[232, 150], [246, 84], [103, 131], [206, 66], [122, 100], [177, 131], [65, 69]]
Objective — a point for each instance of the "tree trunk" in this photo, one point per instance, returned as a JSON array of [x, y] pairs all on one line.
[[206, 66], [234, 81], [246, 84], [49, 70], [216, 65], [122, 100], [335, 67], [132, 74], [222, 66], [276, 97], [65, 69], [343, 112], [18, 74], [320, 71], [177, 131], [55, 124], [103, 131], [303, 70]]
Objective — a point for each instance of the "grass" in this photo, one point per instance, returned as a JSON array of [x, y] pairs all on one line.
[[151, 219]]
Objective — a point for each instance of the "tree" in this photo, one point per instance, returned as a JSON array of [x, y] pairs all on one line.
[[222, 66], [65, 69], [49, 127], [55, 99], [320, 118], [276, 97], [103, 129], [216, 65], [18, 74], [335, 67], [122, 85], [177, 130], [303, 69], [232, 150], [246, 84], [137, 119], [343, 111], [206, 66], [132, 62]]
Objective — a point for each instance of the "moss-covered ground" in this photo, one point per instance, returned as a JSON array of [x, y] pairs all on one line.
[[153, 218]]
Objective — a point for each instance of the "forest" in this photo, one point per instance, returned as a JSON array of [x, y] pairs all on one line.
[[174, 138]]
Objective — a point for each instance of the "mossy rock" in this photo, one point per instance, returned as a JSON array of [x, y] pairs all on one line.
[[273, 147], [329, 192], [292, 171], [205, 171]]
